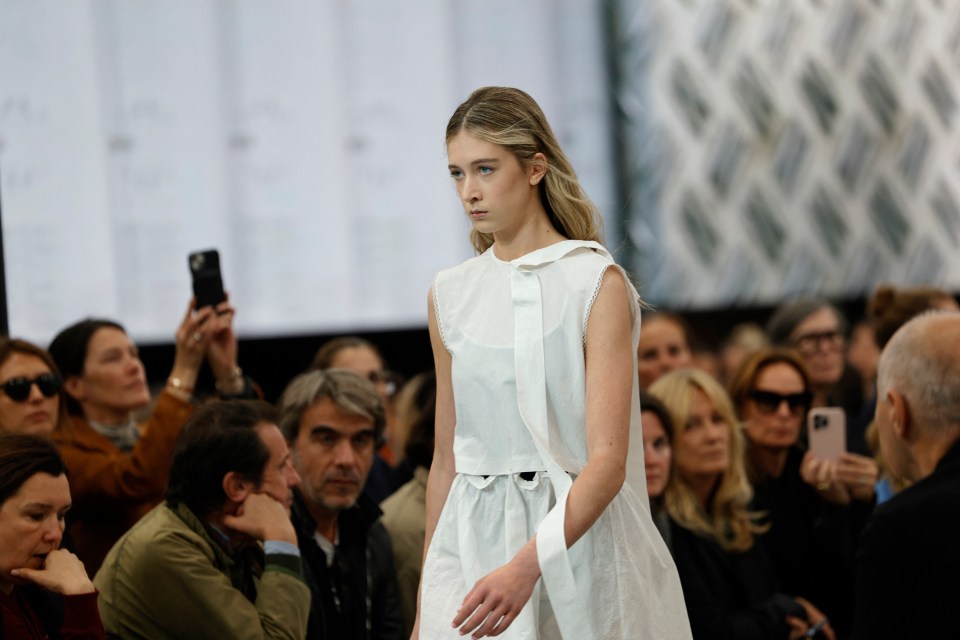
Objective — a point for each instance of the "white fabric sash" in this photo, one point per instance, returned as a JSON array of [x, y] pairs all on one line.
[[552, 552]]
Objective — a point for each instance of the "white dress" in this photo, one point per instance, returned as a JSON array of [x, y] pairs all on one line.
[[516, 332]]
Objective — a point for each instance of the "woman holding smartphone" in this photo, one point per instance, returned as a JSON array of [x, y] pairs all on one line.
[[118, 465], [537, 470]]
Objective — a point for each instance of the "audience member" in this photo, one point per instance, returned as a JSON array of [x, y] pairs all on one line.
[[119, 468], [863, 353], [362, 357], [743, 340], [657, 458], [729, 585], [888, 309], [30, 398], [664, 346], [333, 419], [817, 330], [194, 567], [909, 558], [44, 590], [405, 513], [815, 509]]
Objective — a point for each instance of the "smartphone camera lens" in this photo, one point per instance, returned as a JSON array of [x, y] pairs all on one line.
[[820, 422], [196, 262]]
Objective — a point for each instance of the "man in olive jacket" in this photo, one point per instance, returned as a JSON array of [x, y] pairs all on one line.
[[333, 420], [218, 559]]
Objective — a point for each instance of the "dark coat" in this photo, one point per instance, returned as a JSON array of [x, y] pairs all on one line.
[[909, 560], [730, 595], [356, 597]]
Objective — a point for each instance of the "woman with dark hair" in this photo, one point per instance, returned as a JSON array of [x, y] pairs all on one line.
[[30, 384], [119, 467], [731, 589], [815, 508], [44, 590], [657, 458]]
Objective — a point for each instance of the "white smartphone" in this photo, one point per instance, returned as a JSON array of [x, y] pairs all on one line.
[[827, 432]]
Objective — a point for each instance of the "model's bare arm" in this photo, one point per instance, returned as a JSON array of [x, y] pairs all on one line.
[[442, 470]]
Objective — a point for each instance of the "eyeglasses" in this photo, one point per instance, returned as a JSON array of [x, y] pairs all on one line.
[[18, 389], [808, 343], [770, 401]]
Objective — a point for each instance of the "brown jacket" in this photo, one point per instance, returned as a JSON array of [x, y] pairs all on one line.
[[111, 490]]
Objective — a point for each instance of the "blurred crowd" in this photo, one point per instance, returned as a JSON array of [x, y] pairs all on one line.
[[136, 511]]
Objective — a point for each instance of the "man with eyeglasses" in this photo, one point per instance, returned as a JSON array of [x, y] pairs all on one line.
[[909, 556], [334, 421]]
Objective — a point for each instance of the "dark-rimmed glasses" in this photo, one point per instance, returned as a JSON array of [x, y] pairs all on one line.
[[18, 389], [770, 401], [809, 343]]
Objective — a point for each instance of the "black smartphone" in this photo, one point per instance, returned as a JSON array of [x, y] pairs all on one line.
[[207, 281]]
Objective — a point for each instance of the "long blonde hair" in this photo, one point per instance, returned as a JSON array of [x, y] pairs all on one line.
[[727, 518], [512, 119]]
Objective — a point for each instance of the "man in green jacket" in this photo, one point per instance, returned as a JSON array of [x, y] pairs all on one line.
[[218, 559]]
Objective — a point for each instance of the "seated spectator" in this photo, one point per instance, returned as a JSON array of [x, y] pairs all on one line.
[[30, 398], [405, 513], [44, 590], [333, 420], [816, 509], [729, 586], [657, 458], [119, 468], [194, 566], [664, 346], [909, 557], [888, 309], [817, 330], [740, 343], [361, 356]]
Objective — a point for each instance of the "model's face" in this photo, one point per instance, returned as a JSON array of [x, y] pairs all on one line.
[[662, 348], [774, 413], [113, 381], [31, 525], [364, 361], [703, 445], [37, 413], [656, 454], [498, 194], [333, 452], [820, 341], [280, 476]]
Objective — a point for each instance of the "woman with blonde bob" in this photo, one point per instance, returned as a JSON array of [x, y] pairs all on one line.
[[537, 469], [730, 588]]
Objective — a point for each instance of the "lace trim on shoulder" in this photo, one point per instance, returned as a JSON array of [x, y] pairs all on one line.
[[436, 312], [634, 301]]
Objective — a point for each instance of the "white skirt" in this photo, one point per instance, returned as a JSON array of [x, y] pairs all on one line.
[[623, 572]]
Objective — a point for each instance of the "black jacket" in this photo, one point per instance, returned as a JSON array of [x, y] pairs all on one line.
[[356, 597], [730, 595], [909, 560]]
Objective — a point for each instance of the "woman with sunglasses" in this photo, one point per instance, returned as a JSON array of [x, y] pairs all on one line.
[[30, 399], [118, 465], [815, 508]]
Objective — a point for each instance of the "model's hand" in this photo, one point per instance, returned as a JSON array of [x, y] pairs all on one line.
[[858, 474], [822, 476], [263, 518], [62, 573], [497, 598], [814, 616]]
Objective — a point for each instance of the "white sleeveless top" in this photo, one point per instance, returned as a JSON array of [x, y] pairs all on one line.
[[516, 332]]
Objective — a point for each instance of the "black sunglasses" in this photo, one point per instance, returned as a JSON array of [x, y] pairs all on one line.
[[18, 389], [769, 401]]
